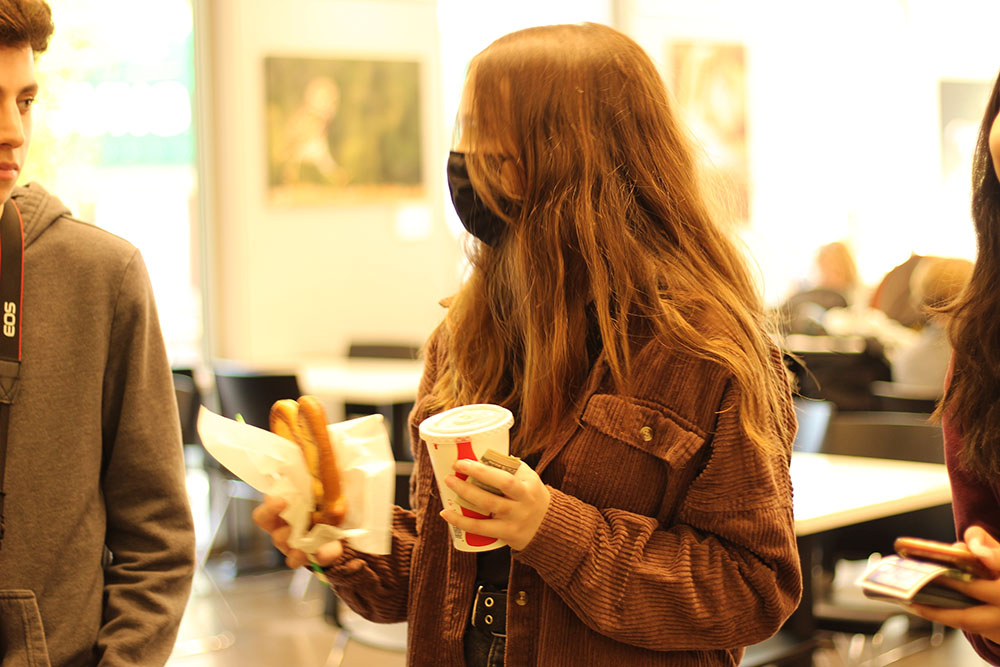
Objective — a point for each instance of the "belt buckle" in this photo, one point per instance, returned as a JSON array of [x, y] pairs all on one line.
[[488, 618], [475, 606]]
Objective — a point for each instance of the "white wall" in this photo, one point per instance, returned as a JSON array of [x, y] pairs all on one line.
[[842, 119], [843, 136], [300, 282], [297, 283]]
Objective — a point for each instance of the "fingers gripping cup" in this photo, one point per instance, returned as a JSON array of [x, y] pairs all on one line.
[[465, 432]]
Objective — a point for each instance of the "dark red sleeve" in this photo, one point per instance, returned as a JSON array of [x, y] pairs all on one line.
[[974, 502]]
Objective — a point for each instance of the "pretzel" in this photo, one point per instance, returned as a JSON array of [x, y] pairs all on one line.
[[304, 423]]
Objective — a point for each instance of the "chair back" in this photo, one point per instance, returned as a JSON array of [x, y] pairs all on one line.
[[375, 350], [814, 418], [188, 400], [899, 397], [251, 394], [843, 374], [905, 436]]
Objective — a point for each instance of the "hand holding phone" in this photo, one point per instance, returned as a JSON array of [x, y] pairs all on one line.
[[983, 616], [956, 555]]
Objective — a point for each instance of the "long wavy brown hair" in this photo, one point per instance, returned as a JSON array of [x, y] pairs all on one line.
[[972, 399], [569, 134]]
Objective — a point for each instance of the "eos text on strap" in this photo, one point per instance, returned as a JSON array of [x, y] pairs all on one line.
[[11, 298]]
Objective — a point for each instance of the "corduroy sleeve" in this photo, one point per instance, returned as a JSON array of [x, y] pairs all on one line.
[[724, 574], [149, 527]]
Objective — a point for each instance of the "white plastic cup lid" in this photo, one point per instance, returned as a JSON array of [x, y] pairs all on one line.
[[465, 421]]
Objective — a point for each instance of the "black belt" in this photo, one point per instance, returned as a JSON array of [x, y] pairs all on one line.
[[489, 611]]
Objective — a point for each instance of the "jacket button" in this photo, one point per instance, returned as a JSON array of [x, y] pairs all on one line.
[[521, 599], [646, 433]]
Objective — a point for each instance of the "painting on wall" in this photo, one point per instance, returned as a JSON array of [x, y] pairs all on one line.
[[708, 82], [342, 129]]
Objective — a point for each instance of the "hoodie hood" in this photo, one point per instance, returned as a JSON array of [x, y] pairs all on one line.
[[39, 209]]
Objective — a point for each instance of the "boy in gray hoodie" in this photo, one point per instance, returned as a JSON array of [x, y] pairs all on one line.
[[97, 551]]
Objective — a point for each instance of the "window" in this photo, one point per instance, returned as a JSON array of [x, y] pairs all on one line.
[[114, 139]]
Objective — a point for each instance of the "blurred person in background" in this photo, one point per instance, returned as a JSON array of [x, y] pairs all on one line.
[[893, 297], [610, 313], [923, 364], [96, 536], [834, 284], [970, 409]]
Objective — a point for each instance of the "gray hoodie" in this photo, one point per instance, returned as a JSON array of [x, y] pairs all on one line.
[[95, 391]]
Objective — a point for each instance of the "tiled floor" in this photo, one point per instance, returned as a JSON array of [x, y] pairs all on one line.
[[953, 652], [276, 619], [268, 620]]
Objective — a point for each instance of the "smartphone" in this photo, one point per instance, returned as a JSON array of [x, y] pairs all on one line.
[[956, 555]]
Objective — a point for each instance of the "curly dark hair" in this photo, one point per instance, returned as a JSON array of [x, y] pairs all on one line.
[[25, 23]]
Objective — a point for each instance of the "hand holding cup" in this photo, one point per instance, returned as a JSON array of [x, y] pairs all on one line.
[[513, 517], [466, 432]]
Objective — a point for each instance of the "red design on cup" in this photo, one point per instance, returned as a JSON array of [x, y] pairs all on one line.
[[465, 452]]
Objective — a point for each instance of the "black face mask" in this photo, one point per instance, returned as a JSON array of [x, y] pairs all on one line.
[[478, 218]]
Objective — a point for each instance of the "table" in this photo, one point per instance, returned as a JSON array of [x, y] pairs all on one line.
[[834, 491], [363, 380], [385, 386]]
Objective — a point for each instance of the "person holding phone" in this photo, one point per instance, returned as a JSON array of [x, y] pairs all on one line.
[[609, 312], [969, 411]]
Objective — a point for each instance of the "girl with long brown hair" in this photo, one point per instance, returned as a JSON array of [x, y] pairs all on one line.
[[608, 311], [970, 409]]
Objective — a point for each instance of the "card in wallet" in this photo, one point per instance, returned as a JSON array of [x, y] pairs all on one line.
[[906, 580]]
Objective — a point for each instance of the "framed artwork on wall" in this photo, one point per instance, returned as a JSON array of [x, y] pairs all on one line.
[[342, 129], [708, 82]]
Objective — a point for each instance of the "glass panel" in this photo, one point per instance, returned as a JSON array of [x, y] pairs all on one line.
[[114, 139]]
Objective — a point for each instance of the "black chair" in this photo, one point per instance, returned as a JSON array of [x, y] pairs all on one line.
[[839, 605], [246, 394], [377, 350], [814, 418], [843, 374], [188, 402], [898, 397], [212, 631], [904, 436], [250, 394]]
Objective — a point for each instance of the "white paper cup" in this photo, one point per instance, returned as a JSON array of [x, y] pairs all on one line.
[[465, 432]]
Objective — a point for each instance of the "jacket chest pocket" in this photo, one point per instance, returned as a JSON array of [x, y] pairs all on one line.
[[21, 636], [625, 455]]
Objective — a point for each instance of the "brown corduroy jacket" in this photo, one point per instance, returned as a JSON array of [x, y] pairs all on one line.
[[669, 539]]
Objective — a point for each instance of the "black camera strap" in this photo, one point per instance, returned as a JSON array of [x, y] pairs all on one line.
[[11, 295]]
